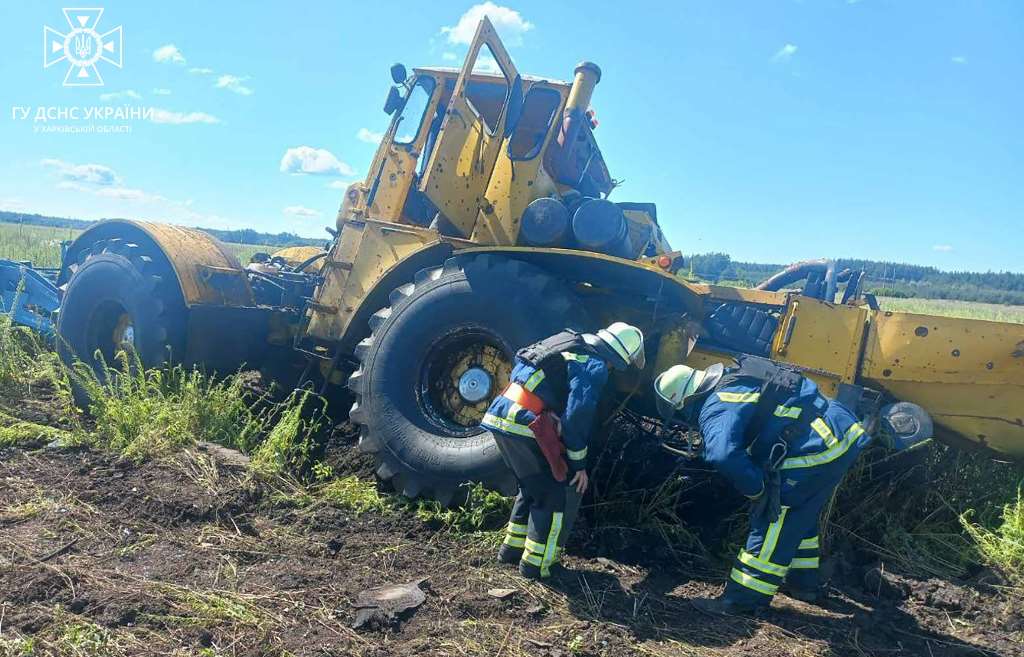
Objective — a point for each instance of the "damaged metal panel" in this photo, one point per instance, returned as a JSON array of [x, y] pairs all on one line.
[[969, 374]]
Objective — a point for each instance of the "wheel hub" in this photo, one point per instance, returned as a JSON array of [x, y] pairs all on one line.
[[461, 373], [475, 385]]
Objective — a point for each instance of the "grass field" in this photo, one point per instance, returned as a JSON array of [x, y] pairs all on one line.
[[952, 308], [41, 244]]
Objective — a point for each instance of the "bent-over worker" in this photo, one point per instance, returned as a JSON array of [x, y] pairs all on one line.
[[786, 447], [545, 415]]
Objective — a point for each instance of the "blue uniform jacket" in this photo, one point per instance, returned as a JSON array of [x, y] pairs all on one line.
[[586, 376], [726, 413]]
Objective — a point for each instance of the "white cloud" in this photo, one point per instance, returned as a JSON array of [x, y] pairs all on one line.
[[958, 59], [93, 174], [161, 92], [233, 83], [943, 248], [785, 53], [369, 136], [315, 161], [449, 56], [301, 212], [340, 185], [509, 23], [200, 71], [182, 118], [168, 53], [119, 193], [119, 95]]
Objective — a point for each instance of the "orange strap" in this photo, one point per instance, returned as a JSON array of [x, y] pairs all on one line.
[[524, 398]]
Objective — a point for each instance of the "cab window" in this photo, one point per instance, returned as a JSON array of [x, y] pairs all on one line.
[[540, 107], [487, 96], [407, 124]]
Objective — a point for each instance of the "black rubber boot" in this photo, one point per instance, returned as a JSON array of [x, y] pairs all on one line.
[[811, 596], [722, 606], [529, 571], [510, 555]]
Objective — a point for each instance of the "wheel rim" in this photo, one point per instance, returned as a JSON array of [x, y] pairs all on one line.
[[110, 330], [461, 374]]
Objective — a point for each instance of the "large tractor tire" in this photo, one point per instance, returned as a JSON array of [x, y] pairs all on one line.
[[434, 360], [120, 295]]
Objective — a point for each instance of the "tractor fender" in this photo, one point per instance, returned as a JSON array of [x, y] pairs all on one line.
[[399, 274], [207, 272], [609, 273]]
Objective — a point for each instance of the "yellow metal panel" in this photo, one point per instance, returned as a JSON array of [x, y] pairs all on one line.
[[823, 337], [364, 253], [207, 271], [724, 293], [512, 187], [395, 179], [296, 255], [465, 153], [969, 374]]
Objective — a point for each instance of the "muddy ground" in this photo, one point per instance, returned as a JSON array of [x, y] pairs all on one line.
[[190, 556]]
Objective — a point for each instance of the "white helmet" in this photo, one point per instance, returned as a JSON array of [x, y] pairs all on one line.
[[681, 383], [627, 342]]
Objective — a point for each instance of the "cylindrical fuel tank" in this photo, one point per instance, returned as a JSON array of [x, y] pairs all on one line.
[[546, 223], [599, 225]]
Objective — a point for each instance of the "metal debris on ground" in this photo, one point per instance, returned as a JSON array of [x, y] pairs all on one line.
[[382, 604], [502, 594]]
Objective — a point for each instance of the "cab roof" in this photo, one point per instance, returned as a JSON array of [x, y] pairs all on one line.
[[454, 72]]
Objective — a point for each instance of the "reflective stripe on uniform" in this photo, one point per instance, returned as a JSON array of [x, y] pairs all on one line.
[[579, 358], [576, 454], [501, 424], [753, 583], [551, 549], [762, 565], [771, 537], [512, 540], [792, 412], [534, 546], [804, 562], [531, 558], [534, 380], [739, 397], [809, 544], [822, 430], [827, 456], [517, 529]]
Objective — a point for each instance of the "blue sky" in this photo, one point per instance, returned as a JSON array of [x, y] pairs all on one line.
[[774, 131]]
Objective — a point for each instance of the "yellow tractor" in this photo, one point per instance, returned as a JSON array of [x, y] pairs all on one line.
[[485, 223]]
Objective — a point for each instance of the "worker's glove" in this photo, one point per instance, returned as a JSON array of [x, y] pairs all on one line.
[[903, 425], [766, 507]]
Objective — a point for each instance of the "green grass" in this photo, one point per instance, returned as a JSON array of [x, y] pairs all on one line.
[[951, 308], [1002, 546], [41, 244]]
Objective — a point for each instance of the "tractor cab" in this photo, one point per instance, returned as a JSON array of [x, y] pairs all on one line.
[[469, 149]]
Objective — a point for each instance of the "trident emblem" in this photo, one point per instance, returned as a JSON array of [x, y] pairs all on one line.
[[83, 47]]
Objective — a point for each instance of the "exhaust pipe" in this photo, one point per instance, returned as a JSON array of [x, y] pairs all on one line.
[[587, 75]]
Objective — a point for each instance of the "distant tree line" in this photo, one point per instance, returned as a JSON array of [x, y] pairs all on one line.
[[882, 278], [243, 236]]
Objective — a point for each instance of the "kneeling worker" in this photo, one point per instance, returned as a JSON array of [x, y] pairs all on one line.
[[784, 446], [544, 415]]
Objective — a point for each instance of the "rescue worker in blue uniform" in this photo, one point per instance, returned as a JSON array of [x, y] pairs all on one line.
[[786, 447], [541, 423]]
